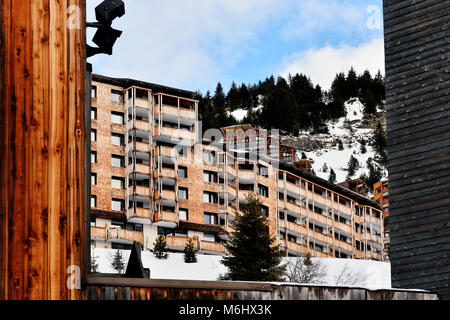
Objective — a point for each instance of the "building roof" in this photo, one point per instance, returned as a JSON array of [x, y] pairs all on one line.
[[324, 183], [126, 83]]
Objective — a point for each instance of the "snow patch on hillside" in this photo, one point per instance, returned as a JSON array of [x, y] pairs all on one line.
[[350, 131]]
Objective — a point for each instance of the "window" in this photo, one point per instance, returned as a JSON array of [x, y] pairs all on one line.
[[210, 176], [117, 139], [93, 135], [117, 117], [118, 205], [93, 179], [183, 214], [265, 210], [93, 113], [182, 172], [209, 237], [245, 166], [210, 197], [94, 92], [183, 193], [117, 183], [182, 152], [263, 171], [118, 161], [116, 96], [93, 157], [93, 201], [378, 190], [209, 156], [210, 218], [263, 190]]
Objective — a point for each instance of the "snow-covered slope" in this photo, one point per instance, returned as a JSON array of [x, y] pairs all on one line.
[[208, 267], [351, 130]]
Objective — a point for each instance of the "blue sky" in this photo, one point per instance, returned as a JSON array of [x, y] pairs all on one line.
[[193, 44]]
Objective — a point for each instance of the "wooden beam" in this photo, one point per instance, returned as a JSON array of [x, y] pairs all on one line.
[[42, 138]]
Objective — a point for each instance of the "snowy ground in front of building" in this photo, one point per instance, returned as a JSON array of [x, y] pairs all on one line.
[[208, 267]]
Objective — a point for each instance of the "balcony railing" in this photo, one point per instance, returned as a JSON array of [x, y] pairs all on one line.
[[165, 218], [212, 247], [117, 235], [142, 147], [139, 213]]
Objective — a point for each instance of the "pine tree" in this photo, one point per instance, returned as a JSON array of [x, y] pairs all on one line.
[[190, 253], [332, 176], [363, 147], [340, 144], [304, 157], [93, 264], [379, 143], [254, 257], [352, 166], [160, 248], [118, 262], [324, 168]]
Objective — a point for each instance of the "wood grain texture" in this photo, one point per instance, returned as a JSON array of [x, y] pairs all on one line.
[[417, 46], [42, 138]]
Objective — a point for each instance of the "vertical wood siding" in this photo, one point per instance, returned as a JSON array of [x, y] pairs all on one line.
[[42, 139], [417, 45]]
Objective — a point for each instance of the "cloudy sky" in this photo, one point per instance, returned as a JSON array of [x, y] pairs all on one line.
[[193, 44]]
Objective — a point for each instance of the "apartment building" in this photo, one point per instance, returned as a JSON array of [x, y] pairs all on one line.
[[153, 174], [381, 196]]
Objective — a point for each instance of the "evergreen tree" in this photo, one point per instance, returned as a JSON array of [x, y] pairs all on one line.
[[160, 248], [304, 157], [254, 257], [93, 264], [332, 176], [324, 168], [379, 143], [190, 253], [340, 144], [352, 166], [118, 262], [233, 100], [363, 147]]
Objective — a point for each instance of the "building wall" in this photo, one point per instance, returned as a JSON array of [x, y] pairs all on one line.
[[297, 236], [418, 129]]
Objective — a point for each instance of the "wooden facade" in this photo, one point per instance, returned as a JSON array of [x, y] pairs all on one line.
[[42, 141], [417, 47]]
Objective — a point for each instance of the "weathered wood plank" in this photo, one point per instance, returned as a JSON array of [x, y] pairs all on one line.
[[42, 136]]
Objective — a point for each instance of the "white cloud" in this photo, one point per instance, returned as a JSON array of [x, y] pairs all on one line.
[[322, 65], [188, 44]]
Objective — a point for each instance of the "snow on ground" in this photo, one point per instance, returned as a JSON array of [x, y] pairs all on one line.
[[208, 267]]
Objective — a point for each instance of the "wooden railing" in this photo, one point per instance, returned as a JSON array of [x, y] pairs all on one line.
[[213, 247], [165, 216], [112, 234]]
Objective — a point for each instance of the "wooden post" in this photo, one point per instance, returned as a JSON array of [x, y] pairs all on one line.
[[42, 144]]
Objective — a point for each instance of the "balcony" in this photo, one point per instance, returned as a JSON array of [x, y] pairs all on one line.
[[174, 133], [142, 147], [166, 152], [246, 175], [177, 243], [139, 215], [140, 125], [165, 195], [212, 247], [295, 247], [176, 112], [167, 173], [166, 219], [117, 235], [140, 191], [141, 102], [139, 168], [296, 228]]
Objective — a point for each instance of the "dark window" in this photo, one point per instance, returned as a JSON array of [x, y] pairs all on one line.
[[210, 197], [183, 193], [182, 172], [263, 190], [116, 96], [211, 218], [117, 139], [117, 117], [210, 176], [118, 161], [93, 113]]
